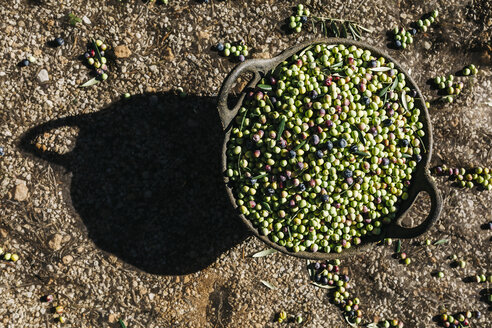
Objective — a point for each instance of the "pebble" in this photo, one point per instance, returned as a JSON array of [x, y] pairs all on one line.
[[67, 259], [56, 242], [112, 318], [122, 51], [21, 192], [43, 76], [86, 20], [168, 54], [427, 45]]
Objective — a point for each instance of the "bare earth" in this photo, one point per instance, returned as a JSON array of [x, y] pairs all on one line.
[[126, 215]]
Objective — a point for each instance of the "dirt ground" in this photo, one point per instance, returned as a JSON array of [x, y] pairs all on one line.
[[126, 215]]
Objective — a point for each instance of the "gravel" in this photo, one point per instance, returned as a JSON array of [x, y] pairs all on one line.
[[126, 216]]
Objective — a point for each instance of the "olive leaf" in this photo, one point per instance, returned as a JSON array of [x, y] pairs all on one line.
[[350, 323], [94, 45], [354, 33], [395, 83], [310, 270], [300, 145], [406, 155], [361, 136], [260, 176], [334, 29], [398, 246], [122, 324], [269, 285], [265, 87], [73, 19], [356, 28], [92, 81], [380, 69], [362, 153], [404, 100], [267, 206], [288, 230], [281, 128], [344, 30], [440, 242], [364, 29], [266, 252], [322, 286], [372, 325], [244, 118], [305, 49], [339, 64]]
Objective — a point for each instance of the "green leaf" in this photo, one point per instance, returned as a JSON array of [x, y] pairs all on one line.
[[269, 285], [380, 69], [244, 118], [97, 50], [260, 176], [344, 30], [122, 324], [440, 242], [90, 82], [281, 128], [395, 83], [288, 230], [299, 145], [362, 153], [339, 64], [404, 100], [267, 206], [266, 252], [265, 87], [398, 246], [322, 286], [406, 155], [73, 19], [334, 29]]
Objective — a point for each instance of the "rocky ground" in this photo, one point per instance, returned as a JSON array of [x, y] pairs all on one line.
[[116, 207]]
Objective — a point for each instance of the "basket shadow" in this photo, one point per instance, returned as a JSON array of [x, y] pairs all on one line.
[[146, 181]]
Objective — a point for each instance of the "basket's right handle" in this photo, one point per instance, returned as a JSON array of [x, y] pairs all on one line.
[[428, 185], [254, 66]]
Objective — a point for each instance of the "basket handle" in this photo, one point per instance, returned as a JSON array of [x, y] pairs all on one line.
[[427, 185], [255, 66]]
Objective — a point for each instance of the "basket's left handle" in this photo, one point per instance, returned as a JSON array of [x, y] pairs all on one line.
[[254, 66]]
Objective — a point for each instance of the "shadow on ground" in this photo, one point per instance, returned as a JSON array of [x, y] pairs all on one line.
[[146, 181]]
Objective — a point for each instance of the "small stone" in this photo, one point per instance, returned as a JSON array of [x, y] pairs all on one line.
[[112, 318], [56, 242], [204, 35], [43, 76], [86, 20], [67, 259], [186, 279], [21, 192], [168, 54], [122, 51], [427, 45]]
